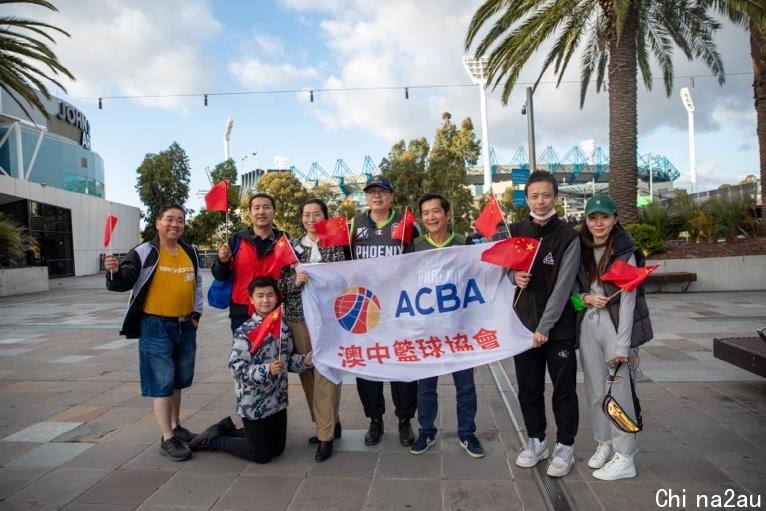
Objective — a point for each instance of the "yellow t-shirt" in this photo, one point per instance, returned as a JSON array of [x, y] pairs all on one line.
[[171, 292]]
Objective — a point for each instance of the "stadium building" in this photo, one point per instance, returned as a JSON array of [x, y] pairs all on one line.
[[52, 184]]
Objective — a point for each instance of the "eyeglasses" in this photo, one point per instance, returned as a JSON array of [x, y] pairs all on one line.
[[377, 193]]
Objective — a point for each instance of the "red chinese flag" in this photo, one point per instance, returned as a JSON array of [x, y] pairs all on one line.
[[333, 232], [405, 229], [486, 222], [111, 223], [626, 276], [517, 253], [217, 199], [270, 326], [284, 255]]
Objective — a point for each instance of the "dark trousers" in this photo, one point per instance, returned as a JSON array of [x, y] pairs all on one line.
[[403, 394], [465, 395], [264, 439], [559, 357]]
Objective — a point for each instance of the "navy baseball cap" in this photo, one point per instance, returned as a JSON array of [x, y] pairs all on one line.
[[380, 181]]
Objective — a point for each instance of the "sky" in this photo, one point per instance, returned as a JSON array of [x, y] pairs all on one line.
[[196, 47]]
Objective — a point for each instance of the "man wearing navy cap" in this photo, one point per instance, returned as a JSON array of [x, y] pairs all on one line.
[[371, 237]]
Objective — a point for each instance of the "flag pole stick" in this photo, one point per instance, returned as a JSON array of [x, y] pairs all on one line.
[[618, 292], [539, 242], [505, 222], [109, 219], [404, 226]]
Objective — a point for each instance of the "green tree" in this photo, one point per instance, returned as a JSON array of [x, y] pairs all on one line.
[[325, 191], [163, 178], [24, 58], [406, 166], [211, 228], [751, 14], [347, 208], [289, 194], [453, 150], [619, 38]]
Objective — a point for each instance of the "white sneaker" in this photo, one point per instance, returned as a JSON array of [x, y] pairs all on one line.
[[562, 461], [619, 467], [603, 454], [535, 452]]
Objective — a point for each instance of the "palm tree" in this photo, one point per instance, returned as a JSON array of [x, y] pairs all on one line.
[[751, 14], [618, 39], [21, 55]]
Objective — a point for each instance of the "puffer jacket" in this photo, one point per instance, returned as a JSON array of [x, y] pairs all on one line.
[[259, 394]]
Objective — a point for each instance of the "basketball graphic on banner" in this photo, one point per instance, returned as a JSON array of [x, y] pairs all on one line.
[[357, 310]]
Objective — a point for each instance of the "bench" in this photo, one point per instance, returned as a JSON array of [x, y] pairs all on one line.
[[748, 353], [672, 277]]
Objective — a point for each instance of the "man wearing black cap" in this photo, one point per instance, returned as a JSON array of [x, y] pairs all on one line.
[[370, 238]]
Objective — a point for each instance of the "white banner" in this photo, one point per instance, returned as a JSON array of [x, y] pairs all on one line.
[[411, 316]]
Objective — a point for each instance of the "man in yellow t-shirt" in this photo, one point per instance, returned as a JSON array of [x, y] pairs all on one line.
[[163, 313]]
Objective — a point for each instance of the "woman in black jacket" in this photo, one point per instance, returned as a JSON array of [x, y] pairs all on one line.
[[615, 322]]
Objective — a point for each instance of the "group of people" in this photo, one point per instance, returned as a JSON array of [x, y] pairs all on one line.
[[165, 307]]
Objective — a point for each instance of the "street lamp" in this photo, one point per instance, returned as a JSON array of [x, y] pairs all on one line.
[[528, 110], [686, 99], [477, 69]]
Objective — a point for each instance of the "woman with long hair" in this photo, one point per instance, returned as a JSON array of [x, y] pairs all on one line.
[[613, 325], [322, 396]]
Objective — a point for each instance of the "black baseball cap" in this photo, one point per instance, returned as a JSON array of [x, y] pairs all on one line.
[[380, 181]]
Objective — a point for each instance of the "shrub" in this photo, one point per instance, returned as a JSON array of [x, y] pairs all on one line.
[[14, 244], [656, 215], [646, 238]]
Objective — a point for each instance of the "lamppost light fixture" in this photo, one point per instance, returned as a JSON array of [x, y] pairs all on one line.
[[406, 93], [477, 68], [205, 101], [686, 99]]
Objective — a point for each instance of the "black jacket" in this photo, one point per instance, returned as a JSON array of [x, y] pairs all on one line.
[[623, 248], [135, 275]]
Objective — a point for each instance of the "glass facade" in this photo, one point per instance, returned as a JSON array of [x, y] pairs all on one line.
[[60, 162], [51, 226]]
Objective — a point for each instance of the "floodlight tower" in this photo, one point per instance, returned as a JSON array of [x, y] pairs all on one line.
[[477, 69], [686, 99], [227, 137]]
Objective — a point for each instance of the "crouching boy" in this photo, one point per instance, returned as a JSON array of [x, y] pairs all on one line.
[[259, 363]]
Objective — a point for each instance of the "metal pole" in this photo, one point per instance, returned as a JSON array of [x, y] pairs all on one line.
[[692, 155], [531, 131], [485, 141], [651, 179]]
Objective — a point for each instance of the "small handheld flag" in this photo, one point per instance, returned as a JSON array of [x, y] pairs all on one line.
[[405, 229], [486, 222], [517, 253], [284, 255], [626, 276], [111, 223], [333, 232], [270, 326], [217, 199]]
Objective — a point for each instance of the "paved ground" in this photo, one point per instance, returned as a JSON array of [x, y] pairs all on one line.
[[74, 433]]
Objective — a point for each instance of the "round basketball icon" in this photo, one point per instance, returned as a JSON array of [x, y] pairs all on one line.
[[357, 310]]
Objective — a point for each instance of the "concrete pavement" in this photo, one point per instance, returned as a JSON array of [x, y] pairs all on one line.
[[76, 435]]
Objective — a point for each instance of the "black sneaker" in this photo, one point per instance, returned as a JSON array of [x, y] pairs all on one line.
[[372, 437], [472, 446], [422, 444], [406, 435], [183, 434], [174, 449], [201, 442]]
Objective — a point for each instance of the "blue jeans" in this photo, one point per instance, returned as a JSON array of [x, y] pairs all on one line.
[[428, 404], [166, 353]]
